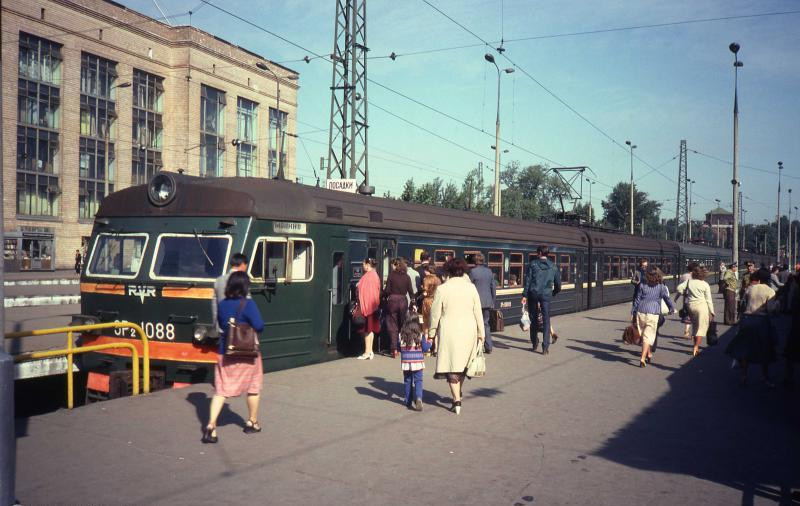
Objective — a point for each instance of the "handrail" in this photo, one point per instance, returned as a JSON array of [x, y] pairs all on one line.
[[36, 355], [94, 326]]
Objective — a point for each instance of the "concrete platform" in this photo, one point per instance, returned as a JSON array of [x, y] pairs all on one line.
[[583, 425]]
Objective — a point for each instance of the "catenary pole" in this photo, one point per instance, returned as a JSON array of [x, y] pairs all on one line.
[[778, 251], [734, 47]]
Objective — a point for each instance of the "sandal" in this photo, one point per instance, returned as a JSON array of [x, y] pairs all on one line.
[[210, 435], [251, 427]]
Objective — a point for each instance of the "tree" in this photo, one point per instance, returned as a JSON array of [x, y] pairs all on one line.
[[408, 191], [616, 209]]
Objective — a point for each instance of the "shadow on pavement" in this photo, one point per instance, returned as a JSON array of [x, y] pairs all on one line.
[[392, 391], [202, 402], [708, 427]]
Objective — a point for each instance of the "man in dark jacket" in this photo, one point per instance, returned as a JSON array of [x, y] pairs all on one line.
[[542, 283], [483, 279], [422, 269]]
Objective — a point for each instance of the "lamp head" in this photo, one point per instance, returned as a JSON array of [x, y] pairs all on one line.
[[628, 143], [262, 65], [734, 47], [488, 58], [509, 70], [780, 165]]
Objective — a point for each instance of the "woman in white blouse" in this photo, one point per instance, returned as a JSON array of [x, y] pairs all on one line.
[[699, 302]]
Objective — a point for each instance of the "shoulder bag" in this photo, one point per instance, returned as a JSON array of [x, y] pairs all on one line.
[[631, 335], [242, 338], [357, 317], [684, 310], [711, 335]]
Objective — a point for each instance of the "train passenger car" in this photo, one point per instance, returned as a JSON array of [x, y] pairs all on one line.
[[707, 256], [156, 250]]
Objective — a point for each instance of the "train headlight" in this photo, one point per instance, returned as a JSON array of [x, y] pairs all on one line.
[[201, 332], [161, 189]]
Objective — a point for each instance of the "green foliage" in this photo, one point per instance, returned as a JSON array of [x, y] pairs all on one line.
[[616, 209]]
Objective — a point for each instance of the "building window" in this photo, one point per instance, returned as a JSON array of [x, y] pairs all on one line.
[[98, 121], [148, 126], [247, 138], [212, 131], [39, 104], [39, 59], [275, 141]]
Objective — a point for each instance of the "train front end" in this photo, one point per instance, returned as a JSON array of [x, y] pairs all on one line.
[[153, 261]]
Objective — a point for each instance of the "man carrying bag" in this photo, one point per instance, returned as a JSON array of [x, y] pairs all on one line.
[[542, 283]]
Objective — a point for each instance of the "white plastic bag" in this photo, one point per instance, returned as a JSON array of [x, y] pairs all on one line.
[[525, 321]]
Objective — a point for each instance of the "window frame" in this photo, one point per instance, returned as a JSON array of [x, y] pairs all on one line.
[[472, 253], [288, 241], [180, 234], [501, 264], [516, 265], [439, 263], [568, 278], [114, 234]]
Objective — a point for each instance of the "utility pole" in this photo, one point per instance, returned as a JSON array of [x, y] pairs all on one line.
[[742, 214], [682, 202], [497, 211], [734, 47], [689, 208], [347, 137], [778, 252], [632, 146]]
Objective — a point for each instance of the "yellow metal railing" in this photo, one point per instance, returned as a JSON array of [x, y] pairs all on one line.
[[70, 351]]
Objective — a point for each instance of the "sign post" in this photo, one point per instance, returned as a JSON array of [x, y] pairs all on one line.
[[342, 185]]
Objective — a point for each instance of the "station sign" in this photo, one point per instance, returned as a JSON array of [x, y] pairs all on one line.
[[289, 227], [342, 185]]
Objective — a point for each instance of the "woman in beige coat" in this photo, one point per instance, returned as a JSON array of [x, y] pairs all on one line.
[[699, 302], [457, 324]]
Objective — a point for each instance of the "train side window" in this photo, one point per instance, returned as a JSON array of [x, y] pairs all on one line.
[[496, 265], [302, 267], [469, 256], [515, 270], [566, 271], [257, 262], [615, 268], [607, 273], [275, 260], [372, 253], [440, 256], [275, 264], [337, 277]]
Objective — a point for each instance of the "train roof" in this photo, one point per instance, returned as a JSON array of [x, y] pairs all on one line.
[[288, 201], [699, 249]]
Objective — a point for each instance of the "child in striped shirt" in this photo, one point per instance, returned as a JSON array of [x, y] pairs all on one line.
[[413, 346]]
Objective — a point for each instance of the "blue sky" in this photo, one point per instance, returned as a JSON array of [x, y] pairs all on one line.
[[654, 86]]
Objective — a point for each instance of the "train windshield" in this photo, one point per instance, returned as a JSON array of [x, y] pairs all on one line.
[[190, 257], [118, 255]]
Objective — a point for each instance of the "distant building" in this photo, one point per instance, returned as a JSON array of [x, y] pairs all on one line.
[[718, 227], [98, 97]]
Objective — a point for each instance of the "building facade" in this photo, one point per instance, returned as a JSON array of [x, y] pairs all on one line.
[[97, 97], [718, 228]]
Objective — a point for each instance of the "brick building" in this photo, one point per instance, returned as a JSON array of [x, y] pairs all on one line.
[[718, 227], [85, 78]]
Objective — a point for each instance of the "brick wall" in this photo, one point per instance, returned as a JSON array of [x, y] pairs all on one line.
[[133, 41]]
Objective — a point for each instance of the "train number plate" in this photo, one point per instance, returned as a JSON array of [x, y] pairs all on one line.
[[154, 330]]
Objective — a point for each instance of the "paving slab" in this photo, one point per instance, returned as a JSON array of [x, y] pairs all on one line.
[[583, 425]]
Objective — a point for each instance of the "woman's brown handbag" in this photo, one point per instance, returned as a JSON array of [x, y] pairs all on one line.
[[242, 339], [631, 335]]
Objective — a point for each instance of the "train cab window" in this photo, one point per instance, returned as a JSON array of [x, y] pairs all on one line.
[[440, 256], [117, 255], [469, 257], [515, 270], [615, 263], [285, 259], [566, 268], [495, 263], [190, 257]]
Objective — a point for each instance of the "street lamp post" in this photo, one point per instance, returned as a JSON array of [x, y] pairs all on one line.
[[734, 47], [789, 243], [632, 146], [497, 209], [744, 230], [279, 142], [766, 229], [106, 132], [778, 252], [712, 223], [591, 183]]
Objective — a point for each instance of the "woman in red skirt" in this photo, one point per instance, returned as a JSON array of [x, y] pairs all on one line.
[[234, 376], [369, 299]]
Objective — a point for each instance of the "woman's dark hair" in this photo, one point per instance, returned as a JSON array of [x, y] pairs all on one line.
[[399, 265], [653, 276], [699, 272], [238, 285], [691, 266], [371, 261], [763, 275], [543, 251], [411, 333], [456, 267]]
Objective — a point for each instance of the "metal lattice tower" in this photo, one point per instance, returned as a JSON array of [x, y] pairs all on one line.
[[347, 139], [682, 205]]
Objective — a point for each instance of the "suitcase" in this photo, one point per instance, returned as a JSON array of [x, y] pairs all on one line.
[[496, 323]]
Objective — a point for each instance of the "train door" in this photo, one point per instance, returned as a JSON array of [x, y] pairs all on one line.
[[382, 249], [337, 331], [596, 279], [577, 279]]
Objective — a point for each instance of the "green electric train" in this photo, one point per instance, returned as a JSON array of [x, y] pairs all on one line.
[[156, 250]]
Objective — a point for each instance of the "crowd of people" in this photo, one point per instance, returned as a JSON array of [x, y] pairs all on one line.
[[445, 310]]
